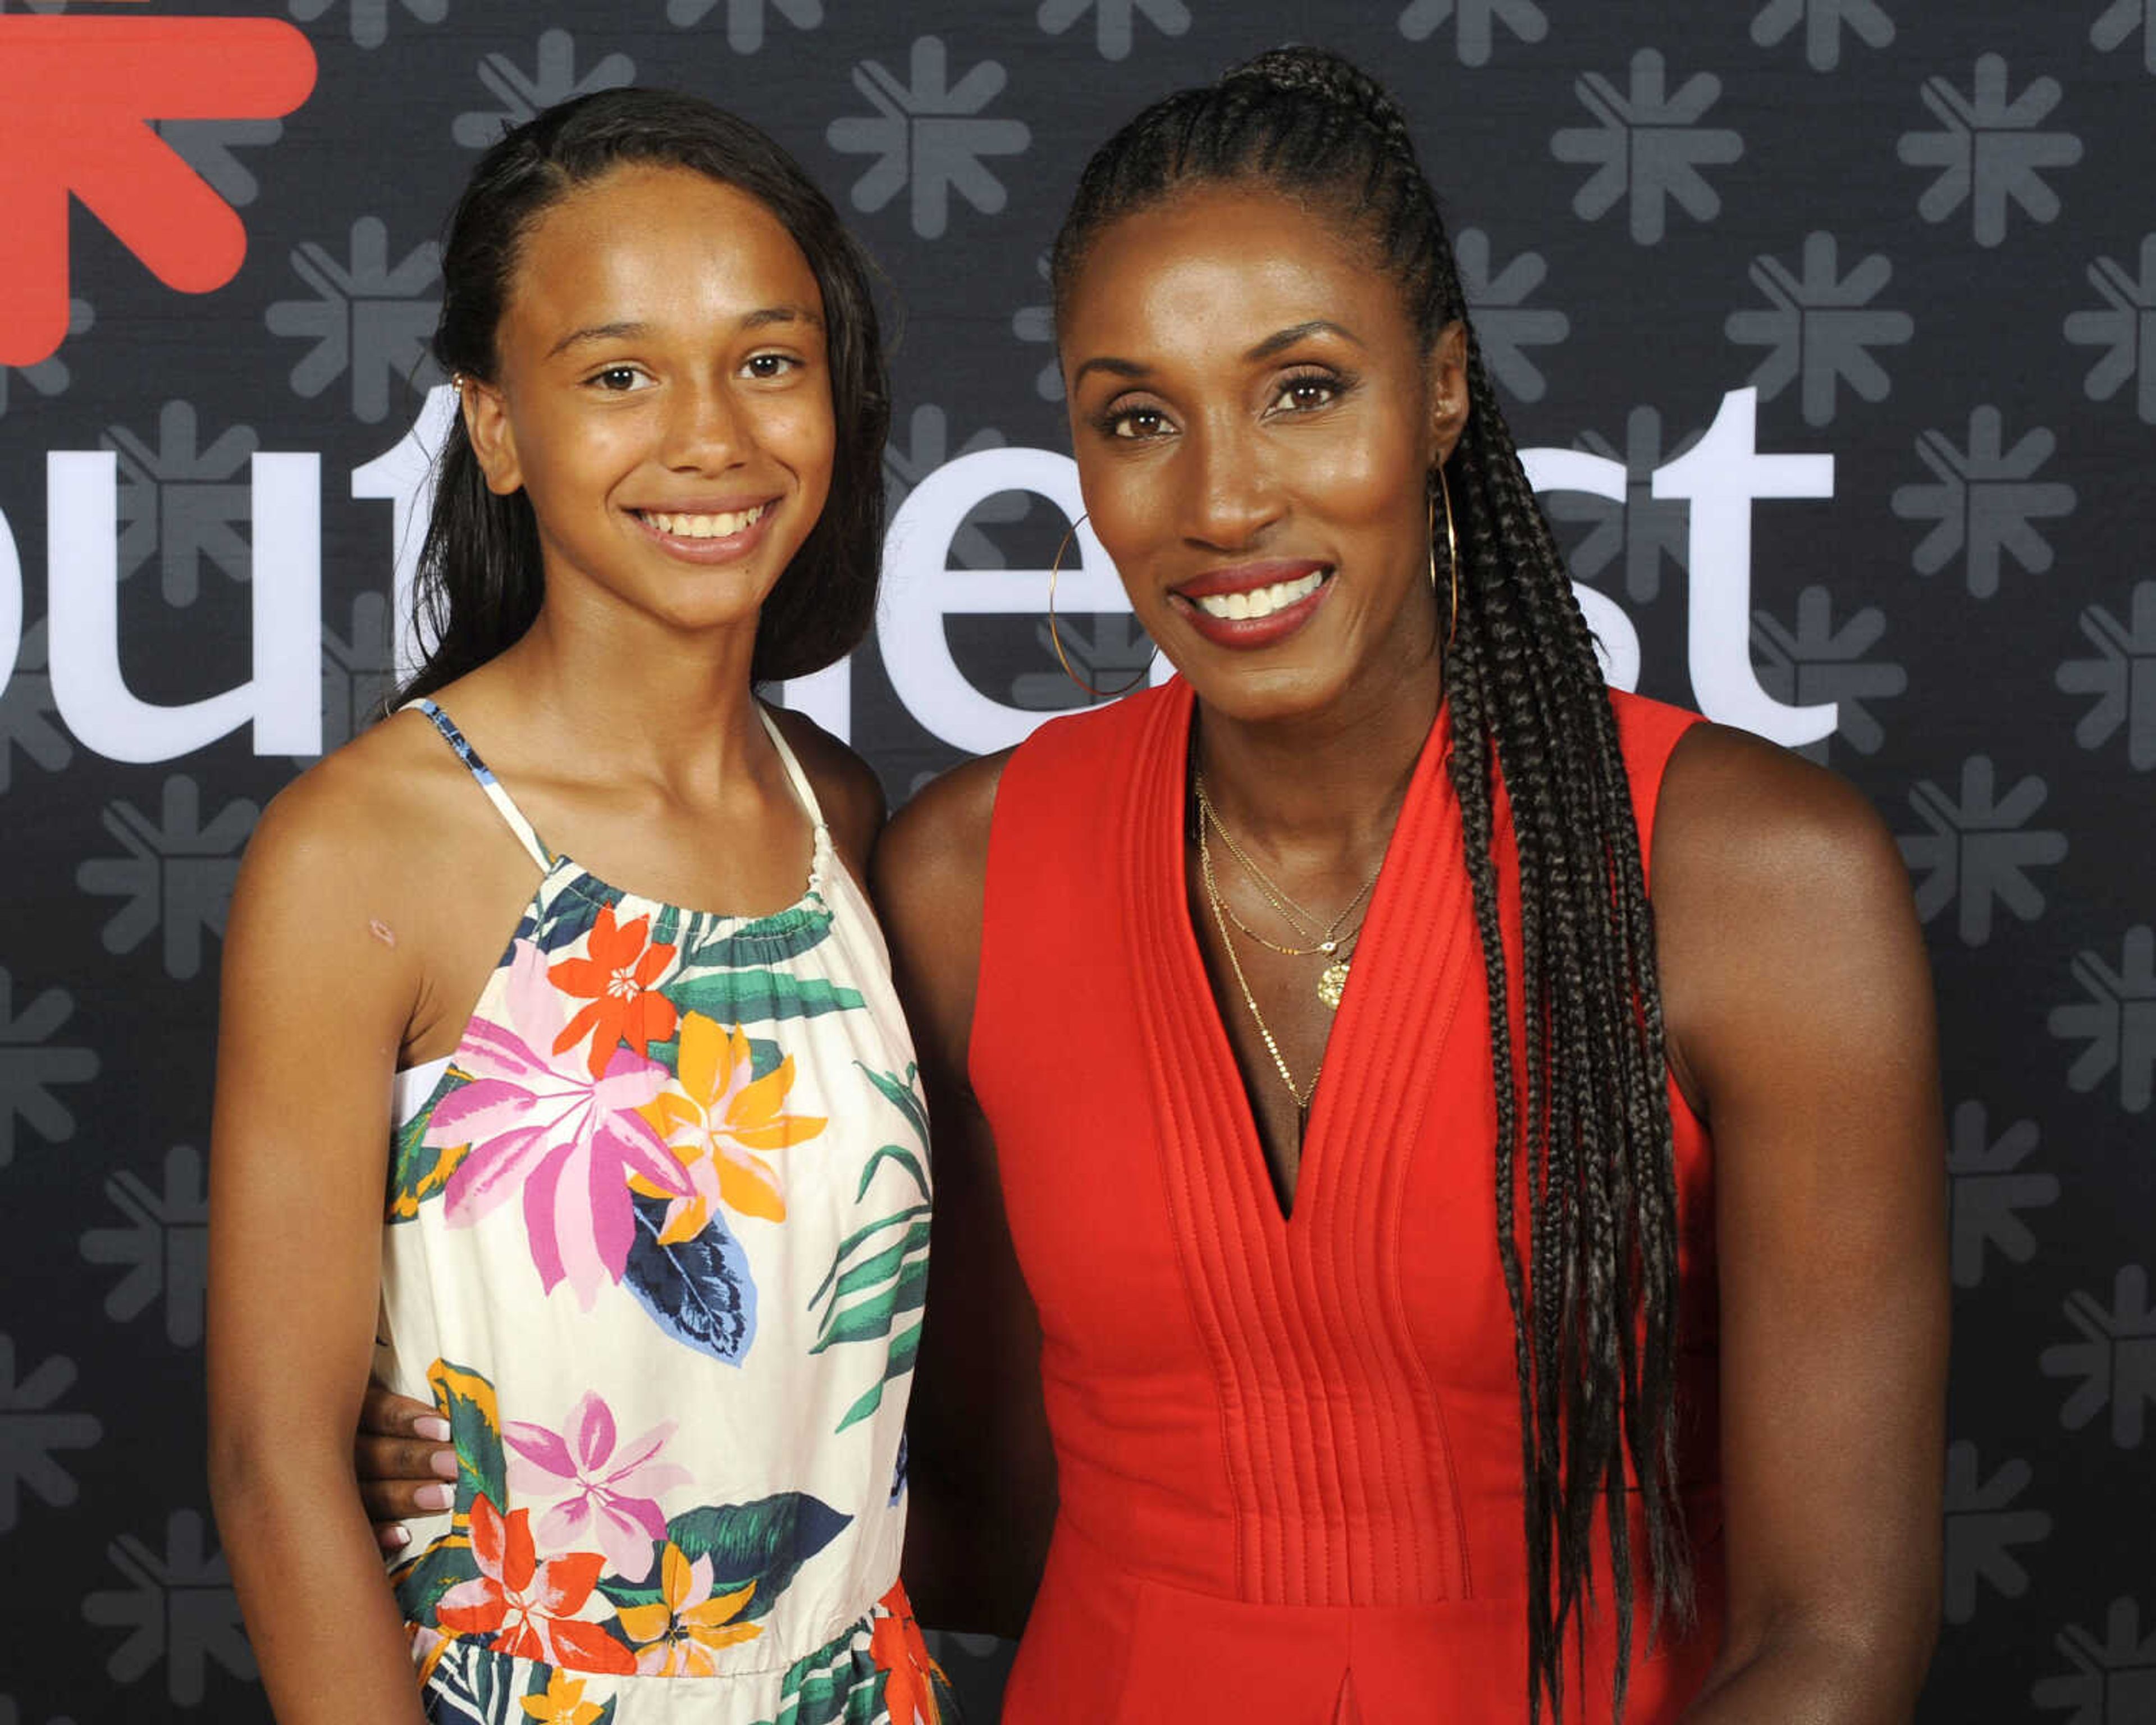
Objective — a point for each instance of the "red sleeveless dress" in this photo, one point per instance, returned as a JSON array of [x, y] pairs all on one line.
[[1289, 1449]]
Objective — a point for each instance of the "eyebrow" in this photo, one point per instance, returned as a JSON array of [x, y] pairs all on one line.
[[1282, 340], [763, 318], [1278, 342]]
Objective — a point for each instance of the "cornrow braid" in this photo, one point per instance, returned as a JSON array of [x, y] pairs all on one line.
[[1583, 1142]]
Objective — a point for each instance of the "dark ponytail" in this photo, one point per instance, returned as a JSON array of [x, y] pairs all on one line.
[[1583, 1141], [480, 580]]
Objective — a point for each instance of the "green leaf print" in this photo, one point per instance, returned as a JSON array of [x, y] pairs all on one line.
[[829, 1687], [759, 997], [416, 1171], [571, 914], [765, 1541], [904, 1349], [904, 1095], [895, 1280], [466, 1400], [875, 1278], [769, 940], [903, 1158], [445, 1563]]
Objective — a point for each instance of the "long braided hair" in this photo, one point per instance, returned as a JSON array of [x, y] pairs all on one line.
[[1584, 1145]]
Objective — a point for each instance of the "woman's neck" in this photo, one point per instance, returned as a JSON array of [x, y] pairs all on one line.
[[1321, 784]]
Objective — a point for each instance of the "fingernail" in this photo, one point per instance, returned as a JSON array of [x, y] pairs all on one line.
[[396, 1538], [445, 1463], [433, 1497], [436, 1431]]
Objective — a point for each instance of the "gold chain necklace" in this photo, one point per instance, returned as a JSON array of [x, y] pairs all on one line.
[[1333, 983], [1302, 1096]]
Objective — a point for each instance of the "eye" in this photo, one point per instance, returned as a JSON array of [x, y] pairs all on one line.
[[769, 366], [1307, 391], [618, 380], [1136, 423]]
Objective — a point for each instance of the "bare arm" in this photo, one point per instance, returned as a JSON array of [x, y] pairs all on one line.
[[314, 1004], [983, 1472], [1799, 1006]]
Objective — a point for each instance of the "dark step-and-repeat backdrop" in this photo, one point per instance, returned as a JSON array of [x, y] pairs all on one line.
[[1829, 326]]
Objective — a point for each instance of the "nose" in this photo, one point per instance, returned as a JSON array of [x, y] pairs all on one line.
[[706, 430], [1231, 496]]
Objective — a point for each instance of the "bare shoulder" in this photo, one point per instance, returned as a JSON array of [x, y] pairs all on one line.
[[1781, 908], [852, 799], [387, 833], [929, 877], [356, 809], [936, 849], [1740, 819]]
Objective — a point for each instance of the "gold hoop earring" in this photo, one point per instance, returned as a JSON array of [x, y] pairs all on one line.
[[1451, 550], [1055, 636]]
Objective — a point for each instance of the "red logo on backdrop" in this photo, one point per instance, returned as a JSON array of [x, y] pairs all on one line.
[[77, 96]]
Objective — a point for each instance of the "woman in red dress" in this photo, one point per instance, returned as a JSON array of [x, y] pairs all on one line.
[[1387, 1266], [1405, 1350]]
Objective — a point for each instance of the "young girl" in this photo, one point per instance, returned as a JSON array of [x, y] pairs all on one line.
[[617, 1161]]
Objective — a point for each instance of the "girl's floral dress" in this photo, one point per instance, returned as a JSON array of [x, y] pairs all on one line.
[[656, 1241]]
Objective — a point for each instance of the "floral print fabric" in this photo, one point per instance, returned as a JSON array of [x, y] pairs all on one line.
[[655, 1244]]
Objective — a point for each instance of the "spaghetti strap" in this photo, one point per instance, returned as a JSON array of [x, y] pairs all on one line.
[[508, 810], [801, 789]]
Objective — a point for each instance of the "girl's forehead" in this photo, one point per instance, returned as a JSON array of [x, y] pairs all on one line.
[[641, 237]]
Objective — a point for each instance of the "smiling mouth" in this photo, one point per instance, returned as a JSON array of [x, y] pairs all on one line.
[[1261, 601], [682, 524]]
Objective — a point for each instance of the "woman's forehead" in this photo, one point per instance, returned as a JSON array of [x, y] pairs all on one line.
[[1226, 265]]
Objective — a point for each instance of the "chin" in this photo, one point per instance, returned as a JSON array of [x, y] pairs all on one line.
[[1240, 687]]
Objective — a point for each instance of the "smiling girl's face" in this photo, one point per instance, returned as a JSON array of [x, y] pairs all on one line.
[[1256, 421], [662, 396]]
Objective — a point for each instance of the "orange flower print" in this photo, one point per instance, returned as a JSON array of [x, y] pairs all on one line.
[[677, 1634], [563, 1703], [527, 1606], [615, 974], [716, 1123], [898, 1651]]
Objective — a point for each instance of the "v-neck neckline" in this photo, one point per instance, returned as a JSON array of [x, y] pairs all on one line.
[[1377, 977]]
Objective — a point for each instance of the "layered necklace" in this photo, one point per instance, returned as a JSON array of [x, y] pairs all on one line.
[[1324, 939]]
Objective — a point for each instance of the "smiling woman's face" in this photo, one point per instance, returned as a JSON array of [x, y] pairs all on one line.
[[1256, 421]]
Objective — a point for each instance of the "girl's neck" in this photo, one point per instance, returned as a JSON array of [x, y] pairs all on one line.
[[646, 703]]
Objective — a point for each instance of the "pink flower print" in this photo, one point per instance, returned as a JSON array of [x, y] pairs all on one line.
[[568, 1141], [615, 1502]]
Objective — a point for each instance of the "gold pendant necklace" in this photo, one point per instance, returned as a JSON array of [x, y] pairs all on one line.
[[1332, 981], [1302, 1097]]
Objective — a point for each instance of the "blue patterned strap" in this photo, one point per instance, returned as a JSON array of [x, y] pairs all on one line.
[[525, 835], [801, 789]]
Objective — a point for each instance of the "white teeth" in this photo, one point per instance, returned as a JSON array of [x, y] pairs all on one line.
[[1263, 601], [705, 526]]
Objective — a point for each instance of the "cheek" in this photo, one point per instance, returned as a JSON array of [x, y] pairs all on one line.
[[801, 432], [1131, 506], [1360, 483]]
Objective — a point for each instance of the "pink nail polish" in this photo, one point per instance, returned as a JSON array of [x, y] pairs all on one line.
[[445, 1463], [433, 1496], [436, 1431], [396, 1538]]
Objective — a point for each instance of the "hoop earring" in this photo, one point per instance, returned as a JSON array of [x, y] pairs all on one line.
[[1452, 550], [1055, 636]]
